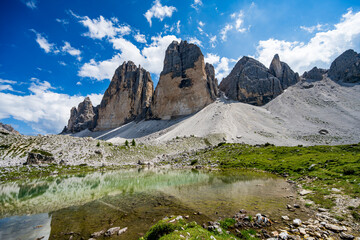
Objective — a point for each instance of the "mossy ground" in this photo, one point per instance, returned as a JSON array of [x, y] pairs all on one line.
[[172, 229]]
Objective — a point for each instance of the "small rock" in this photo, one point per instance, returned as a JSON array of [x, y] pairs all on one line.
[[304, 192], [335, 228], [335, 190], [97, 234], [322, 209], [121, 231], [275, 233], [346, 236], [297, 222], [112, 231], [283, 235], [302, 231], [286, 218], [296, 205]]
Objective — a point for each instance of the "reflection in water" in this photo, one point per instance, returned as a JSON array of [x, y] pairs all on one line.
[[81, 205]]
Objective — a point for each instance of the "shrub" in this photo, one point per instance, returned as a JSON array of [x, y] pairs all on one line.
[[126, 143], [158, 230], [98, 144], [133, 143]]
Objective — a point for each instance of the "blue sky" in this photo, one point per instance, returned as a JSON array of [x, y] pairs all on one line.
[[54, 53]]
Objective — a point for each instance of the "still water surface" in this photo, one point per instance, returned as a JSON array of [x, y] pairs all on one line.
[[64, 206]]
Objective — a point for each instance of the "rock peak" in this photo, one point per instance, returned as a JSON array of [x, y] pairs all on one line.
[[127, 98], [346, 67], [186, 84], [81, 118], [283, 72]]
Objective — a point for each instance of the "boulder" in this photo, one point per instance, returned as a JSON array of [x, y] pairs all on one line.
[[346, 67], [38, 158], [251, 82], [315, 74], [127, 98], [283, 72], [82, 117], [186, 84]]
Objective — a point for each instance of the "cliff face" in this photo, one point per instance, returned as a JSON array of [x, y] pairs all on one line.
[[346, 67], [127, 98], [82, 117], [186, 84], [251, 82]]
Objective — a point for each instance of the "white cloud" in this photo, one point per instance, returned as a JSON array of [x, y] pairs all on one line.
[[62, 21], [223, 65], [196, 4], [71, 50], [159, 11], [194, 40], [140, 38], [239, 20], [319, 50], [224, 31], [201, 24], [7, 81], [150, 57], [78, 83], [62, 63], [31, 4], [311, 29], [213, 40], [178, 27], [100, 28], [44, 43], [43, 109]]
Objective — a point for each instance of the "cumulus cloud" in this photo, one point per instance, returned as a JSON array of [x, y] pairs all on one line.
[[320, 50], [44, 110], [159, 11], [222, 65], [237, 23], [311, 29], [140, 38], [196, 4], [150, 57], [71, 50], [100, 27]]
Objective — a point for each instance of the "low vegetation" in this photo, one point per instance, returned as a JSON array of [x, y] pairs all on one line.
[[173, 228]]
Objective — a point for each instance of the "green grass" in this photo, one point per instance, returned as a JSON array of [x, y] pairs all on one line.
[[180, 229], [227, 223], [318, 168]]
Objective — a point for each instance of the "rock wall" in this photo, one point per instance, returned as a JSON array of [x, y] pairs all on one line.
[[127, 98], [251, 82], [346, 67], [186, 84], [315, 74], [8, 129]]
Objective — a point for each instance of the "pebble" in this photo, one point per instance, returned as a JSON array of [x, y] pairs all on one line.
[[302, 231], [286, 218], [121, 231], [335, 228], [322, 209], [297, 222], [283, 235], [97, 234]]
